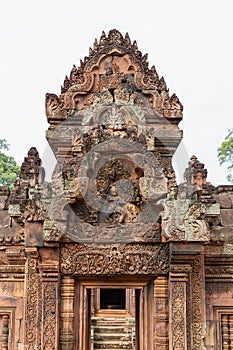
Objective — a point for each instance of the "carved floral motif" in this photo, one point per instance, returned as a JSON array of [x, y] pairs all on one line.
[[49, 316], [178, 301], [198, 292], [109, 260], [33, 309]]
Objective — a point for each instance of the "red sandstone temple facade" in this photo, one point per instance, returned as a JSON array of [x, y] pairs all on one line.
[[111, 253]]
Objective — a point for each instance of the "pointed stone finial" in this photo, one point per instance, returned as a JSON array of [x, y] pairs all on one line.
[[81, 63], [66, 85], [127, 39], [154, 72], [102, 39], [162, 84], [74, 69], [95, 46], [66, 81], [144, 58], [103, 36], [73, 74], [175, 102], [135, 45]]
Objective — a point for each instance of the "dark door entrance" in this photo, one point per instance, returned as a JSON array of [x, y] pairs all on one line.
[[113, 299], [105, 319]]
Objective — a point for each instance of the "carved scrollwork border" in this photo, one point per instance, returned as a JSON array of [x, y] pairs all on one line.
[[49, 315], [178, 292], [198, 297], [122, 259], [33, 305]]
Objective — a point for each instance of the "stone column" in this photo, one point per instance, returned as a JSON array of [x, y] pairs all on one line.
[[225, 332], [50, 316], [32, 334], [161, 313], [67, 313], [177, 311], [197, 297], [5, 332], [50, 293], [187, 297]]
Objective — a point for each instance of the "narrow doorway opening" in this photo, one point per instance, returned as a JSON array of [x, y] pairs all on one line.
[[113, 316]]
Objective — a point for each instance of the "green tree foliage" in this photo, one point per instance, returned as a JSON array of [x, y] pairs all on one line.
[[8, 166], [225, 154]]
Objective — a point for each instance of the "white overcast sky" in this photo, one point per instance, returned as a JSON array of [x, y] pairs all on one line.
[[189, 42]]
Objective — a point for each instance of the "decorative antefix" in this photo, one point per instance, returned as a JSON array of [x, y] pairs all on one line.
[[113, 221]]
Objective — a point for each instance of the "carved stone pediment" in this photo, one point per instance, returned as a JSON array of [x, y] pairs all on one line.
[[115, 67]]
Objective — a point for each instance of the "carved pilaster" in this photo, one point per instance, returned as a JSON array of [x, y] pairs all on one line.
[[188, 261], [177, 312], [5, 332], [198, 315], [50, 281], [33, 302], [161, 313], [50, 313], [227, 331], [67, 313]]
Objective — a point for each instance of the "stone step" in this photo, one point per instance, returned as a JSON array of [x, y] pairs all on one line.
[[113, 321], [113, 333], [113, 345], [112, 336], [111, 329]]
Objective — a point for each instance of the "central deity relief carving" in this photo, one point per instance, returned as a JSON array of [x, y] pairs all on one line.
[[111, 187], [119, 199], [122, 195], [118, 183]]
